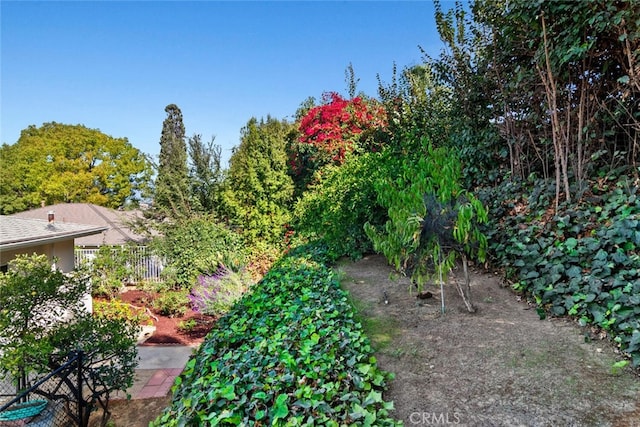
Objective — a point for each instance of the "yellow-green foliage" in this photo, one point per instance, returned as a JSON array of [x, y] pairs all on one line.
[[64, 163], [339, 204], [120, 310], [431, 217]]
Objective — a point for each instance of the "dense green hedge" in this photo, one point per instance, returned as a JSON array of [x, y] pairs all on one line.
[[582, 261], [338, 205], [288, 353]]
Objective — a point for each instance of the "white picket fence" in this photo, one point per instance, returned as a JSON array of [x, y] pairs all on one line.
[[145, 265]]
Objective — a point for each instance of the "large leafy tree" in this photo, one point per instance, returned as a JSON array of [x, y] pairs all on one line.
[[259, 191], [70, 163], [557, 80], [463, 74], [416, 104], [566, 85], [171, 195]]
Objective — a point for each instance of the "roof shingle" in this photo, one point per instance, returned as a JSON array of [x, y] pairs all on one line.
[[117, 232], [21, 232]]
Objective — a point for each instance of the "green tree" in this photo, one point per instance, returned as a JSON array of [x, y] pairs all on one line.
[[417, 104], [432, 219], [259, 191], [205, 175], [577, 64], [464, 68], [43, 320], [171, 193], [70, 163], [551, 88]]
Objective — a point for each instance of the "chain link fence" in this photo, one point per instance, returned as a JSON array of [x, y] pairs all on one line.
[[52, 400]]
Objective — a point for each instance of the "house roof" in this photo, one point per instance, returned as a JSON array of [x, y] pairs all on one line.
[[117, 232], [18, 233]]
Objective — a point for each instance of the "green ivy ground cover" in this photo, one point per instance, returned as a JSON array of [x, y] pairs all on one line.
[[289, 353], [583, 261]]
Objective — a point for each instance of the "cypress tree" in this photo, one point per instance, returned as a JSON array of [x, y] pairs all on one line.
[[172, 184]]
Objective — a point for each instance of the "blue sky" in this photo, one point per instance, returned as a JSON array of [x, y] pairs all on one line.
[[114, 66]]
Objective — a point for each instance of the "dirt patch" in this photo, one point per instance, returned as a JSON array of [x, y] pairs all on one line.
[[501, 366], [132, 413]]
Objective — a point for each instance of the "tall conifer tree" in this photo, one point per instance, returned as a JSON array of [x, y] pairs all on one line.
[[172, 184]]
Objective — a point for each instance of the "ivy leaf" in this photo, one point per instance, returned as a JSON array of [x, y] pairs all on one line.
[[280, 408], [634, 343], [372, 397], [571, 243], [574, 271]]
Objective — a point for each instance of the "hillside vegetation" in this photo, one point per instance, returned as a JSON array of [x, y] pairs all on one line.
[[516, 149]]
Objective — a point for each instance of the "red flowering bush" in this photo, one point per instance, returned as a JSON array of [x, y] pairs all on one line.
[[337, 127]]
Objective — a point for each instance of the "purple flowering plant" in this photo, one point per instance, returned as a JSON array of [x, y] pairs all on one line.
[[214, 294]]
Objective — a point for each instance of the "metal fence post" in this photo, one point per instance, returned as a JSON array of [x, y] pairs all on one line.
[[81, 420]]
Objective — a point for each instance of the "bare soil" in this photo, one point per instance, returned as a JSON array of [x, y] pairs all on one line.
[[133, 413], [501, 366]]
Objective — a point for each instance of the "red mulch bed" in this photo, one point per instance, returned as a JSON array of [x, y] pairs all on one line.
[[167, 331]]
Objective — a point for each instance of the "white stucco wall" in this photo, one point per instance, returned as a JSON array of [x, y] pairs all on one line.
[[62, 250]]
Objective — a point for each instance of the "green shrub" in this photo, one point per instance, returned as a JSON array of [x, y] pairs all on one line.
[[109, 271], [119, 310], [194, 246], [155, 287], [187, 325], [43, 320], [261, 258], [336, 208], [171, 303], [432, 219], [288, 353]]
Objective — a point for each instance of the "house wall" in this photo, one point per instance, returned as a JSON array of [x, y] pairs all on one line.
[[62, 250]]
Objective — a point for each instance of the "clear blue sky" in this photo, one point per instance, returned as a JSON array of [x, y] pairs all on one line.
[[114, 66]]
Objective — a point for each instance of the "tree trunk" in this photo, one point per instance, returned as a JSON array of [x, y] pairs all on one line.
[[465, 290], [560, 138]]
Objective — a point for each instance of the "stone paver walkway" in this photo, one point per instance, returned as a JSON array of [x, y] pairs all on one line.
[[157, 370]]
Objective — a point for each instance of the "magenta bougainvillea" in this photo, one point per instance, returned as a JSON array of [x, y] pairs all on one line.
[[335, 128]]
